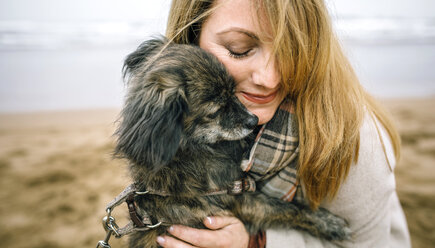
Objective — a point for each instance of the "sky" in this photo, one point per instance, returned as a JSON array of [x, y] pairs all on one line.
[[83, 10], [383, 8], [136, 10]]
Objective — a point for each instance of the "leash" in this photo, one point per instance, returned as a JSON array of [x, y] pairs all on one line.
[[144, 223]]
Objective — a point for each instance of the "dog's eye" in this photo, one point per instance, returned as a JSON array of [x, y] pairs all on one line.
[[213, 115]]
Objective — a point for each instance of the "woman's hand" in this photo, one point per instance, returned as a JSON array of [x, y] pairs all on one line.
[[222, 232]]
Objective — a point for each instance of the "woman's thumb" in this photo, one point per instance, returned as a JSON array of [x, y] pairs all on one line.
[[219, 222]]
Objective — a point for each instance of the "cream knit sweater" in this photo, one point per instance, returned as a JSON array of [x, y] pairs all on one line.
[[367, 200]]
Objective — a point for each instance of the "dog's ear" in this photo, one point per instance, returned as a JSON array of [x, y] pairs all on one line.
[[142, 54], [151, 125]]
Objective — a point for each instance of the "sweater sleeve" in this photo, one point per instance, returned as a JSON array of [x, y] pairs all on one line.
[[367, 199]]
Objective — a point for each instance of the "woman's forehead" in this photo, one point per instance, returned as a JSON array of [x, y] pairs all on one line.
[[242, 15]]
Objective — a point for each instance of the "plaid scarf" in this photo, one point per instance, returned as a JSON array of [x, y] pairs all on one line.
[[272, 160]]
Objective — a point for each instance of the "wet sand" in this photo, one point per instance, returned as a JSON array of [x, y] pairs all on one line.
[[57, 175]]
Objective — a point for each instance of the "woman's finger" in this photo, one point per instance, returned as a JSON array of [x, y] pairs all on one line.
[[222, 232], [170, 242], [196, 237], [216, 222]]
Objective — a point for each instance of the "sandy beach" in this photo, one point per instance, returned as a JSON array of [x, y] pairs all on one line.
[[57, 175]]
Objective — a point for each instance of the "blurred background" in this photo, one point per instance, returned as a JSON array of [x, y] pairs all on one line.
[[68, 54], [61, 89]]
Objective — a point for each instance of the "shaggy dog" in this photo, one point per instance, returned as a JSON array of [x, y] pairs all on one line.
[[182, 130]]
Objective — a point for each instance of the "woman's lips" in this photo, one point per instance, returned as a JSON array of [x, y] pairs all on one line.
[[259, 99]]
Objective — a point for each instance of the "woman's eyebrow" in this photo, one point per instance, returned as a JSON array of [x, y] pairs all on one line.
[[239, 30]]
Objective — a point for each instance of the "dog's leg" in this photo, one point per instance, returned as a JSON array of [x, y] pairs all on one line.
[[258, 211]]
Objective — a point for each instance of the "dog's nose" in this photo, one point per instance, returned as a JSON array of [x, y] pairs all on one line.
[[251, 122]]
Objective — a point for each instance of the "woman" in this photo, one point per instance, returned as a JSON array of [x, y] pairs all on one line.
[[285, 58]]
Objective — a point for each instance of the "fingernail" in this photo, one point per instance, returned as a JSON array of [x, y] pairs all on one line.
[[161, 240], [210, 220], [171, 229]]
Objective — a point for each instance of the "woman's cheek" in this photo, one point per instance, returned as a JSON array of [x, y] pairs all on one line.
[[236, 67], [237, 71]]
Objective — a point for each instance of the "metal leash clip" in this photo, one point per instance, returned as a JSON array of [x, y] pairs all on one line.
[[111, 228], [136, 223]]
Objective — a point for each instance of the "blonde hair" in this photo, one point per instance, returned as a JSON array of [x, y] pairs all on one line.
[[329, 101]]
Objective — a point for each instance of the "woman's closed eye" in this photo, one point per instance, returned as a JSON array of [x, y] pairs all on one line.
[[239, 55]]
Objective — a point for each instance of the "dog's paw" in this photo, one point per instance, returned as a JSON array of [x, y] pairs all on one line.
[[329, 226]]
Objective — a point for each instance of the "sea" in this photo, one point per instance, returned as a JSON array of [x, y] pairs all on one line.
[[47, 66]]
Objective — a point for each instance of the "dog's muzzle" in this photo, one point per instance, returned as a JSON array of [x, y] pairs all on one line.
[[251, 122]]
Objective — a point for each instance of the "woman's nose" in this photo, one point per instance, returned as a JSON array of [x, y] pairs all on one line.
[[266, 72]]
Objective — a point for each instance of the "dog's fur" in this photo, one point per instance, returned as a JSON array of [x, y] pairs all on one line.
[[181, 129]]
